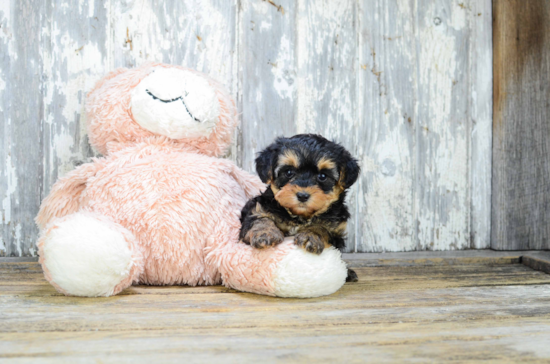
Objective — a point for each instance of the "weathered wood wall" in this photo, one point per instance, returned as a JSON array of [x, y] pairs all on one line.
[[521, 148], [403, 84]]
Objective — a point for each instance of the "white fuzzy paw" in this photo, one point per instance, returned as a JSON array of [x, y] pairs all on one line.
[[303, 275], [85, 254]]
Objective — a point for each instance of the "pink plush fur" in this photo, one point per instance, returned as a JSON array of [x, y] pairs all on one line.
[[177, 204]]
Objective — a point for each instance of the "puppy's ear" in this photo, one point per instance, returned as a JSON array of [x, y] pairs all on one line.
[[351, 171], [265, 161]]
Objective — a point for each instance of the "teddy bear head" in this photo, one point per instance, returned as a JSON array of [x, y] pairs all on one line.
[[158, 103]]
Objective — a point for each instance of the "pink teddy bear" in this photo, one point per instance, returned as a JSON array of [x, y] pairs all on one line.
[[161, 208]]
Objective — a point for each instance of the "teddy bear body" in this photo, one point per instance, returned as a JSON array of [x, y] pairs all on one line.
[[156, 193], [161, 207]]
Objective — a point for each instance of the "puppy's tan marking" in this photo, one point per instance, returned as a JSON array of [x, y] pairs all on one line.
[[340, 182], [318, 203], [325, 163], [273, 188], [341, 228], [288, 158]]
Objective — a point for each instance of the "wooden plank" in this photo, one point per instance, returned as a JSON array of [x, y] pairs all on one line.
[[31, 273], [38, 289], [267, 73], [21, 111], [462, 257], [227, 311], [18, 259], [13, 276], [426, 174], [521, 143], [507, 340], [433, 258], [481, 118], [327, 89], [537, 260], [385, 142], [442, 126], [385, 294]]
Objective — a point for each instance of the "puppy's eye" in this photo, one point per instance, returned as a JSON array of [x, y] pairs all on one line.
[[322, 177], [289, 173]]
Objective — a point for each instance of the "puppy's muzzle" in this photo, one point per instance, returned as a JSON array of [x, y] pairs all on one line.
[[302, 196]]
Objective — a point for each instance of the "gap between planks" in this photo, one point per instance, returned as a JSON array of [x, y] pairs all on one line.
[[537, 260]]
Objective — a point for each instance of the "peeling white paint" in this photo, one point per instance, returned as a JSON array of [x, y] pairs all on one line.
[[260, 7], [2, 88], [91, 9], [459, 14], [17, 238], [265, 26], [62, 155], [11, 187], [441, 210], [6, 32], [5, 9], [386, 204], [188, 33], [481, 86], [283, 70]]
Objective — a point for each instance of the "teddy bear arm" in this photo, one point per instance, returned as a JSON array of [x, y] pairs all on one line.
[[65, 195], [284, 270]]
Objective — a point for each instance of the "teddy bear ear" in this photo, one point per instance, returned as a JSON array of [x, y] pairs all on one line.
[[266, 159]]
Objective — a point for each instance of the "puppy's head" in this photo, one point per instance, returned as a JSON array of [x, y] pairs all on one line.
[[307, 173]]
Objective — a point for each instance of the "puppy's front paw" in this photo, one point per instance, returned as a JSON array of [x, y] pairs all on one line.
[[310, 242], [263, 236]]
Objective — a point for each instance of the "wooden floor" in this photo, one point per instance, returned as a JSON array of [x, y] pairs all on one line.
[[460, 313]]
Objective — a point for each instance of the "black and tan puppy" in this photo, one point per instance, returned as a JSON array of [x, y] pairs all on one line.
[[308, 177]]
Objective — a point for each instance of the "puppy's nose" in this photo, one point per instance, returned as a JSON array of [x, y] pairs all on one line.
[[302, 196]]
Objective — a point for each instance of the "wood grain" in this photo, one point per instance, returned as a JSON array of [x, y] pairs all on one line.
[[190, 33], [425, 144], [267, 73], [21, 112], [393, 314], [521, 143], [442, 127], [75, 51], [387, 68], [481, 121], [423, 258], [538, 261], [508, 340]]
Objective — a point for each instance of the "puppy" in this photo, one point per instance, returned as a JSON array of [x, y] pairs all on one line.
[[308, 177]]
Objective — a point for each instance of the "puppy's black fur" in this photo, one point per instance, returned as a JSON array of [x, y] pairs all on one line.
[[308, 176]]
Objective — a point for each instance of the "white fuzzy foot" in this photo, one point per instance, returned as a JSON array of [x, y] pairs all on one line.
[[86, 254], [303, 275]]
